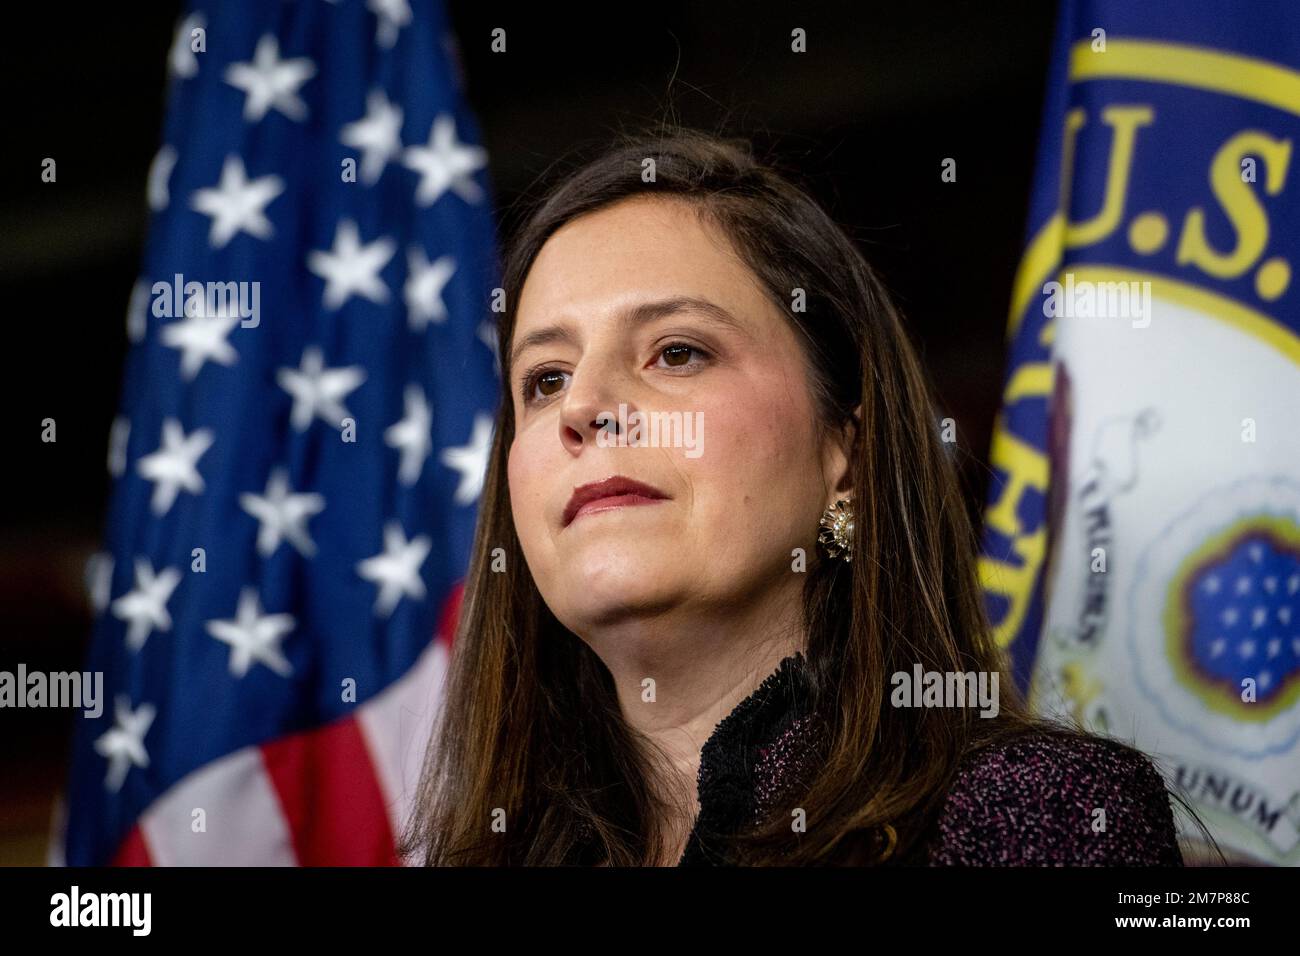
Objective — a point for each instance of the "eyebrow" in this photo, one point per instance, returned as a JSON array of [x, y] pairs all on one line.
[[637, 315]]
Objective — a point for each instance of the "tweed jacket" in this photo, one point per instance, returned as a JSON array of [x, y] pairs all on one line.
[[1029, 802]]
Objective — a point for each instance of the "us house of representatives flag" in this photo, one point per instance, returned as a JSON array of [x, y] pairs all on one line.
[[1142, 540], [300, 446]]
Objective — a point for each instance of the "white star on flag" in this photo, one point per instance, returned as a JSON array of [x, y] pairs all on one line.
[[173, 466], [397, 569], [351, 268], [282, 515], [318, 391], [117, 439], [411, 435], [471, 460], [145, 607], [424, 284], [236, 203], [99, 580], [160, 174], [254, 637], [376, 134], [181, 58], [202, 338], [271, 83], [137, 311], [445, 164], [487, 334], [393, 15], [123, 744]]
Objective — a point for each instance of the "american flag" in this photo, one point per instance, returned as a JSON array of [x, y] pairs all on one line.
[[300, 446]]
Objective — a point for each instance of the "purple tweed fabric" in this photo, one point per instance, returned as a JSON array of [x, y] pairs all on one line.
[[1038, 800]]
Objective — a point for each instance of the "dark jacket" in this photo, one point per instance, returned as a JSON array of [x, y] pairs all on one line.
[[1029, 802]]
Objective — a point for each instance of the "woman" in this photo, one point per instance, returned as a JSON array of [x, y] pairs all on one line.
[[682, 650]]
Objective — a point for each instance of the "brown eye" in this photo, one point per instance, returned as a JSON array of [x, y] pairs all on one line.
[[553, 378], [678, 354], [534, 390]]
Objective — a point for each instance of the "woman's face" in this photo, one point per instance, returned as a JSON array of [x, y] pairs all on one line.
[[744, 477]]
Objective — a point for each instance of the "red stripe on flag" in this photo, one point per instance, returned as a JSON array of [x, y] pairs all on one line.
[[331, 797], [133, 851], [450, 615]]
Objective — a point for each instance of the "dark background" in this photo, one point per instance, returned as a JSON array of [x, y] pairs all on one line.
[[884, 93]]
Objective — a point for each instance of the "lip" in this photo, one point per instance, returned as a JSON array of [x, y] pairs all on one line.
[[615, 491]]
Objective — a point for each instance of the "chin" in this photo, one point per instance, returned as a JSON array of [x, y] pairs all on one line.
[[605, 589], [609, 546]]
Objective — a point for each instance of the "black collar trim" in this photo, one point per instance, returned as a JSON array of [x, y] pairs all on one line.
[[727, 759]]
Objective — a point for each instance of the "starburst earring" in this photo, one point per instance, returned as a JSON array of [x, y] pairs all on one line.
[[837, 530]]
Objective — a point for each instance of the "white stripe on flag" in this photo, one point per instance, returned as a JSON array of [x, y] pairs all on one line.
[[56, 851], [396, 725], [245, 824]]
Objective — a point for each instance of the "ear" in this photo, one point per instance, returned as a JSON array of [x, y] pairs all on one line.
[[839, 457]]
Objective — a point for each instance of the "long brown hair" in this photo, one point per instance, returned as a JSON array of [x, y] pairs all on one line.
[[531, 727]]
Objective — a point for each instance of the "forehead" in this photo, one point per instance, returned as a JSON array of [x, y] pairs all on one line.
[[640, 248]]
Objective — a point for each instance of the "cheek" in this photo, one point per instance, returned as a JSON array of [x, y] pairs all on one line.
[[759, 471], [526, 474]]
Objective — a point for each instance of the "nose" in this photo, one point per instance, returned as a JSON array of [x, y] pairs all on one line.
[[591, 405]]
